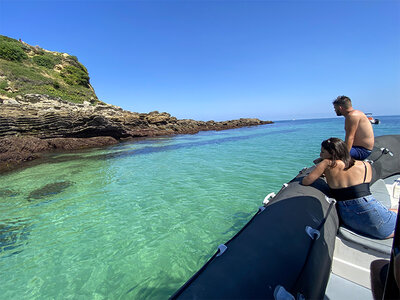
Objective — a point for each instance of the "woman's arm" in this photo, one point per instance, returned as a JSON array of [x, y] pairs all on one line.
[[316, 173]]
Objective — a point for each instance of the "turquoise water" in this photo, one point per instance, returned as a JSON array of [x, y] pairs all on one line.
[[136, 220]]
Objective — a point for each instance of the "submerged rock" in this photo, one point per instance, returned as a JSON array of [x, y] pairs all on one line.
[[15, 150], [5, 193], [12, 236], [49, 190]]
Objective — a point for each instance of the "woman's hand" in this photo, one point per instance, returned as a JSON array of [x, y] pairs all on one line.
[[316, 173], [318, 160]]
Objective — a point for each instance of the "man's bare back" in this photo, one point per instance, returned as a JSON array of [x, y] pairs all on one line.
[[359, 130]]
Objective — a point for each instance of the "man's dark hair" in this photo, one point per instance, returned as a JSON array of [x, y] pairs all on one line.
[[343, 101], [338, 149]]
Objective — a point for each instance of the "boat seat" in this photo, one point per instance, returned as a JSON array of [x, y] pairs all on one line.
[[381, 193], [389, 182], [381, 246]]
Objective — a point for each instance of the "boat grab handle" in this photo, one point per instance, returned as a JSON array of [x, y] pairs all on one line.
[[386, 151], [313, 233], [280, 293], [221, 248], [268, 198]]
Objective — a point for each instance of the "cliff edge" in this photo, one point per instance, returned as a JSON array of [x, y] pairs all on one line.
[[47, 103]]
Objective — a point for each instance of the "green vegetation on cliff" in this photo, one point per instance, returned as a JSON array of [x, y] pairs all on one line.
[[26, 69]]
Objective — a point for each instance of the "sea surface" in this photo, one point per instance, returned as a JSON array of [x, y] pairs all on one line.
[[136, 220]]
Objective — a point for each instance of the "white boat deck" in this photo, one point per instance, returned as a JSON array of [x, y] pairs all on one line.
[[339, 288]]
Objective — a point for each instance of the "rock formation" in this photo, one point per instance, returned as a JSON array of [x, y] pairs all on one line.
[[35, 123], [47, 103]]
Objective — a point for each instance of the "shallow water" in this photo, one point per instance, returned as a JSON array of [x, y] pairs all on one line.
[[136, 220]]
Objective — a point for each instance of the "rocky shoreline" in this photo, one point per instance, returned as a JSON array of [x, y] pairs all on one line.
[[33, 124]]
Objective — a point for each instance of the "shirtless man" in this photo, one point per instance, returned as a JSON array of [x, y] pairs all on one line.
[[359, 133]]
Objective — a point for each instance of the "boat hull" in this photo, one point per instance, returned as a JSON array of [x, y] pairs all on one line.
[[274, 249]]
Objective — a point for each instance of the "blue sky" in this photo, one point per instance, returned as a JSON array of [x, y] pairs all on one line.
[[224, 60]]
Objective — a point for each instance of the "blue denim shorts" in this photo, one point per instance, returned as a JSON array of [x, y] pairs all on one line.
[[359, 153], [367, 216]]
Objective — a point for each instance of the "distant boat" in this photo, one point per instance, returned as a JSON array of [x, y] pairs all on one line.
[[372, 119]]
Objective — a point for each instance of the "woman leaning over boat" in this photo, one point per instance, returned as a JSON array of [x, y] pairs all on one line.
[[349, 180]]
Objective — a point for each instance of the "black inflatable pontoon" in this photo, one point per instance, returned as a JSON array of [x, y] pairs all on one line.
[[287, 246]]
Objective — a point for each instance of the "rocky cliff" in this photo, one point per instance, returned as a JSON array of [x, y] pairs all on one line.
[[35, 123], [31, 123], [45, 117]]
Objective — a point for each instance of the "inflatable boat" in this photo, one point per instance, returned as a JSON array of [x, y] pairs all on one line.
[[294, 246]]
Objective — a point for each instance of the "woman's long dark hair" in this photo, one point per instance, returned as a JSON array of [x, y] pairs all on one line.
[[338, 149]]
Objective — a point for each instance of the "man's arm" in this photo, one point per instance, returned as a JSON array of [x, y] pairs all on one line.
[[351, 125]]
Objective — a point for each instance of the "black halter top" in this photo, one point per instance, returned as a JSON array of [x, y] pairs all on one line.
[[352, 192]]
